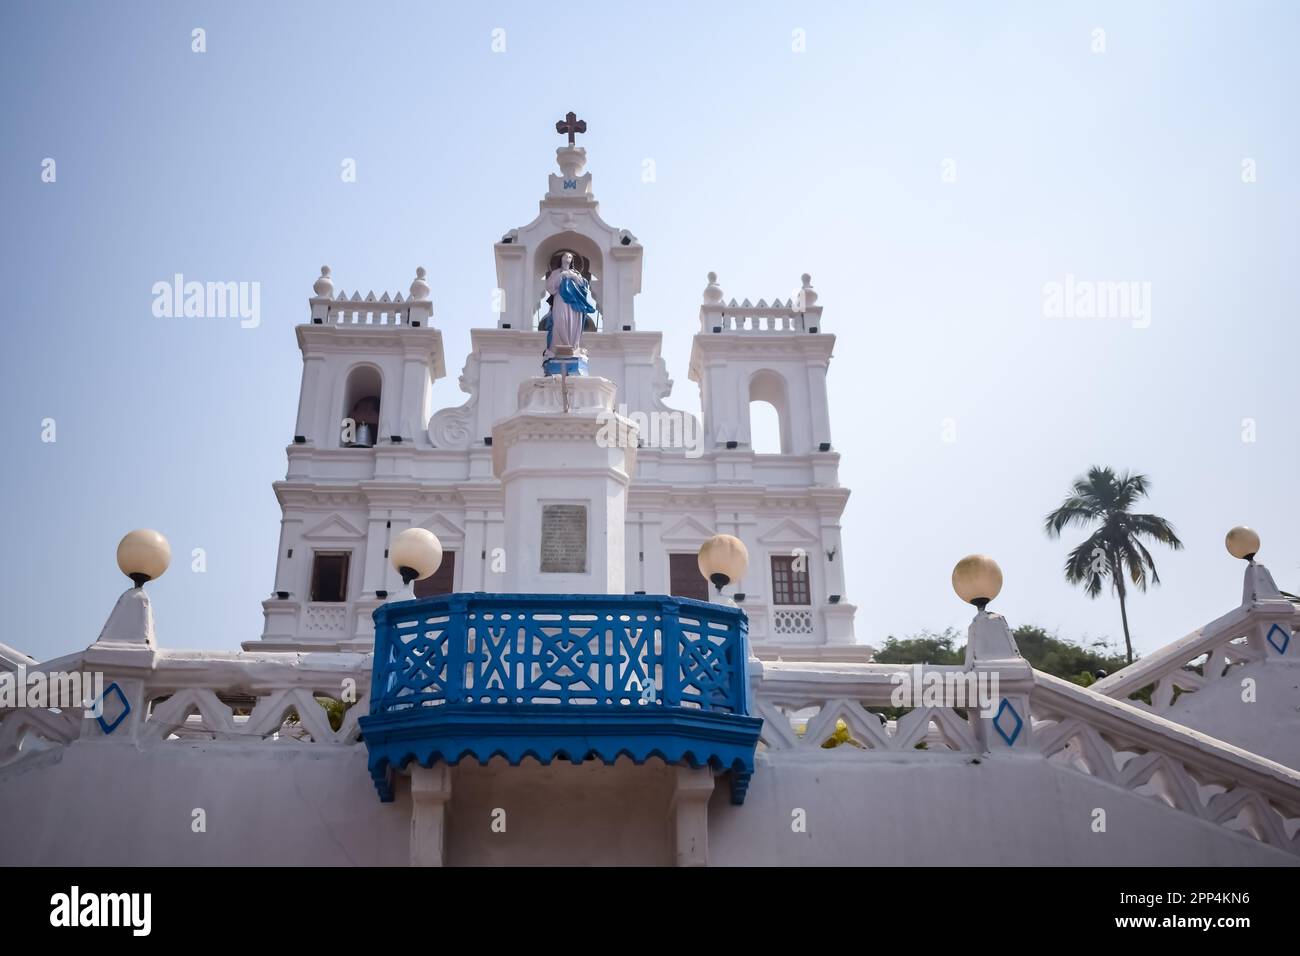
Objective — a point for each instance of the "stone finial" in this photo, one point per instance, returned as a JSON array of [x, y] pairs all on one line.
[[419, 288], [572, 161], [712, 291], [807, 294], [1259, 585], [131, 622], [989, 638], [324, 286]]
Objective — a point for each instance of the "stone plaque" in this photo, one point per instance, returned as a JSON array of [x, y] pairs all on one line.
[[564, 539]]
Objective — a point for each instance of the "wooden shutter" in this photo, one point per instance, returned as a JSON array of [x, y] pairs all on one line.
[[442, 581], [684, 578], [329, 576]]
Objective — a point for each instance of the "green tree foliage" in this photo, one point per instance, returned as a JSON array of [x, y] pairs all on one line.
[[1066, 659], [927, 647], [1044, 651]]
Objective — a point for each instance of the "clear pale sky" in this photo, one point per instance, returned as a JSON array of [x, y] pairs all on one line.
[[225, 166]]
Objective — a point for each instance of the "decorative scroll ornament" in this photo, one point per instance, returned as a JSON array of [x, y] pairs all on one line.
[[452, 428]]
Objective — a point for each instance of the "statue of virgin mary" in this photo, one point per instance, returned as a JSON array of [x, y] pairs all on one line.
[[571, 303]]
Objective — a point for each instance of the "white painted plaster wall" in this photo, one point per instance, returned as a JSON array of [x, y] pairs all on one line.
[[98, 803], [1268, 726]]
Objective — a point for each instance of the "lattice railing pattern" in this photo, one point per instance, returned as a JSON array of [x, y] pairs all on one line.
[[807, 707], [1208, 655], [583, 650], [810, 725], [792, 621], [321, 619], [287, 714], [30, 730], [1166, 762], [264, 698]]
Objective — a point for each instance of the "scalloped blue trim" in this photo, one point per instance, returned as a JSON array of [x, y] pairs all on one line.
[[453, 732]]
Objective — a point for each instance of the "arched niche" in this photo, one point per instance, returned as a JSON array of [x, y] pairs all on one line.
[[589, 261], [767, 386], [362, 397]]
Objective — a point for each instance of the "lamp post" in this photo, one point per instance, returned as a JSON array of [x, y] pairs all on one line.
[[143, 555], [1243, 543], [1259, 590], [1003, 679], [977, 579], [416, 554], [723, 560]]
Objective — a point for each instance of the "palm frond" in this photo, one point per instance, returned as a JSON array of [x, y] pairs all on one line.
[[1144, 556], [1081, 566], [1075, 510], [1128, 489], [1156, 528]]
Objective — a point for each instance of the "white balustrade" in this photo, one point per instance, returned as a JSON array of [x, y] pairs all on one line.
[[246, 698], [778, 317], [1076, 728], [1260, 628]]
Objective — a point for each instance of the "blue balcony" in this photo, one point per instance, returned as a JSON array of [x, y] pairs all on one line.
[[560, 676]]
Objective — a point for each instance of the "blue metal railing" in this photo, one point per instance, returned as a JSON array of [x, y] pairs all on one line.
[[551, 675], [559, 649]]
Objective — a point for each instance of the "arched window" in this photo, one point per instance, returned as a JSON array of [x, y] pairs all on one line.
[[359, 425], [769, 414]]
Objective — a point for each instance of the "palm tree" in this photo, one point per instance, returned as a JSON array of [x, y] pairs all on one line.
[[1101, 497]]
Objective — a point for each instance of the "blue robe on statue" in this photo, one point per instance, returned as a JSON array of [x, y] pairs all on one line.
[[577, 294], [571, 303]]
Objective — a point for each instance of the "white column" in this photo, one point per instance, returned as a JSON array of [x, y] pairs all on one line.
[[374, 572], [558, 450], [430, 793], [689, 811], [410, 422], [992, 653], [309, 399], [818, 404]]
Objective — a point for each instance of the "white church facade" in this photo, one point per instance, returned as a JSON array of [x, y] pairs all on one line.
[[567, 623], [372, 360]]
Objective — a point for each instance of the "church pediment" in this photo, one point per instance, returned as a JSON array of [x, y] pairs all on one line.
[[788, 532], [687, 530], [443, 528], [333, 527]]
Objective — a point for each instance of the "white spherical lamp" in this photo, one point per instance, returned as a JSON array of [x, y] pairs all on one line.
[[1242, 542], [143, 555], [977, 579], [723, 559], [416, 553]]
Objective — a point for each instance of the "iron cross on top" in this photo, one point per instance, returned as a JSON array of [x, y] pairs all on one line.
[[571, 124]]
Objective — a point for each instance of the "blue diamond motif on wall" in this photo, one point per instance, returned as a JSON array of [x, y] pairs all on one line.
[[1003, 711], [104, 725], [1282, 634]]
